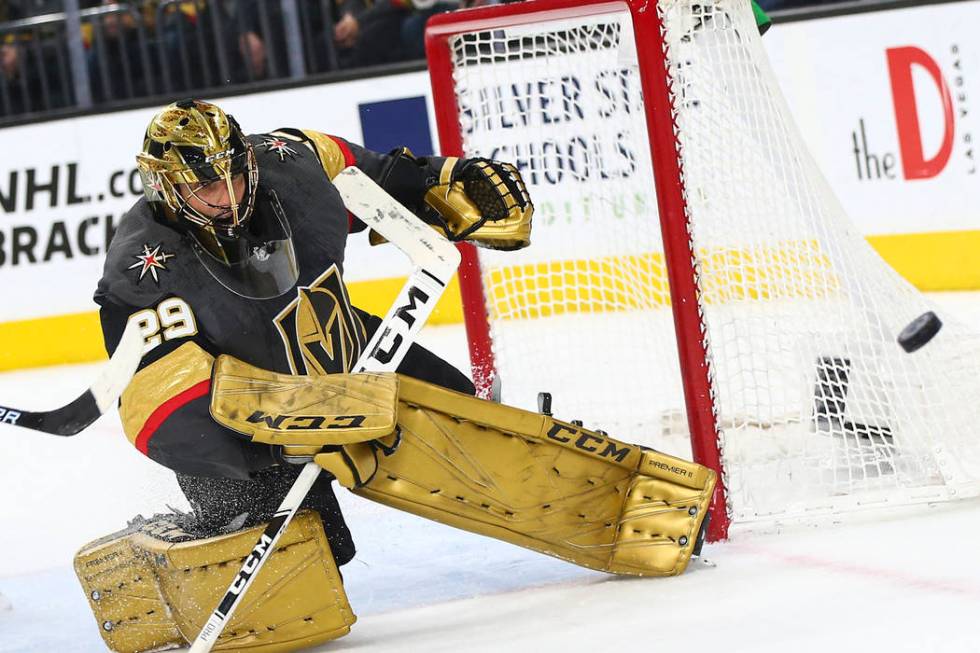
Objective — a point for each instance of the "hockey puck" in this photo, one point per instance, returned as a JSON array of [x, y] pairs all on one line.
[[919, 331]]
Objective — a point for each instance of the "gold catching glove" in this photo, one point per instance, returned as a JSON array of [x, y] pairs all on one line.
[[483, 201], [479, 200]]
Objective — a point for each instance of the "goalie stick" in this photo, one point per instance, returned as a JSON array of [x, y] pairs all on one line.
[[435, 259], [74, 417]]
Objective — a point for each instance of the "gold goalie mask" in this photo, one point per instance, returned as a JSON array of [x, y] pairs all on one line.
[[193, 152]]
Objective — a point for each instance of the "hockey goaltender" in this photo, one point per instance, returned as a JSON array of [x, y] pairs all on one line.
[[232, 266]]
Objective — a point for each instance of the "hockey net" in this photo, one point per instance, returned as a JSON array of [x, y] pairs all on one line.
[[784, 316]]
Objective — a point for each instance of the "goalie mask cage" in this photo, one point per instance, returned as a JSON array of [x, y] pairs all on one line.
[[692, 283]]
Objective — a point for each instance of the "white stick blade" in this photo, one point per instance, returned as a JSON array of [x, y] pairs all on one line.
[[119, 371]]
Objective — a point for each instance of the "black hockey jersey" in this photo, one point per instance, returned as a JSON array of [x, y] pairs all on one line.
[[187, 318]]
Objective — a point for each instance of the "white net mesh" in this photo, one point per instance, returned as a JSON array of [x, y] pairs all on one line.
[[819, 410], [556, 101]]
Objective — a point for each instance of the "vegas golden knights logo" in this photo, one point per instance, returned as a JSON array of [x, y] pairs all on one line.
[[321, 333]]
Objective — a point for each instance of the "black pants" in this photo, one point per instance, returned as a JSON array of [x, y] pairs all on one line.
[[217, 502]]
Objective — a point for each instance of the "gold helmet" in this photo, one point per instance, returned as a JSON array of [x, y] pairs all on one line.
[[190, 146]]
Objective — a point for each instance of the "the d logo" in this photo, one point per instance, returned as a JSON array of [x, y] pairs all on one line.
[[914, 163]]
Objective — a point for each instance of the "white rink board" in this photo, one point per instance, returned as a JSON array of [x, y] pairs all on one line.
[[833, 71], [835, 74], [102, 151]]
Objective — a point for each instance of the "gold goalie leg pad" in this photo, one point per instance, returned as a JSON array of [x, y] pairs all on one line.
[[541, 483], [153, 586]]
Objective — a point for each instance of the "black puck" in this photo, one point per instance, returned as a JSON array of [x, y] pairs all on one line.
[[919, 331]]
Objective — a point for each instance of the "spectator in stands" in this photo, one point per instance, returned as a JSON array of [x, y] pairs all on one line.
[[30, 77], [175, 28], [9, 66], [9, 60], [388, 31], [250, 18], [147, 37], [413, 27], [261, 34], [371, 36], [114, 56]]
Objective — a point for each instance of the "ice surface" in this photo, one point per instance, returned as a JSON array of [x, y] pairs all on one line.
[[897, 582]]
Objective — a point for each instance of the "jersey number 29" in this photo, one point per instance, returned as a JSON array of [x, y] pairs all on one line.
[[172, 315]]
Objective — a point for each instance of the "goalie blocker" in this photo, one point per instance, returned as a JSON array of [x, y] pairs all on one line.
[[521, 477]]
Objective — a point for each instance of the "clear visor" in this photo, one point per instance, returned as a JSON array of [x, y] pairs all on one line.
[[257, 264]]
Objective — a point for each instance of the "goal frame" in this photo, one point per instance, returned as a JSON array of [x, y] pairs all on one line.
[[682, 271]]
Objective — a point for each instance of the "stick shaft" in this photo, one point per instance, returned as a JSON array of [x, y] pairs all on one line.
[[103, 394], [385, 350], [256, 559], [435, 260]]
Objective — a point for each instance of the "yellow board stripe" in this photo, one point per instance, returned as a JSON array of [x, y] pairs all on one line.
[[58, 340], [639, 281], [77, 338], [945, 260], [932, 262]]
